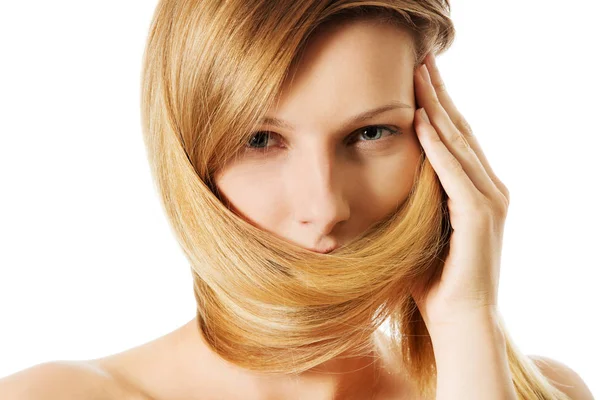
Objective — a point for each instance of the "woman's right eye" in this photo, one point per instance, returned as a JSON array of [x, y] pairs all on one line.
[[259, 138], [259, 141]]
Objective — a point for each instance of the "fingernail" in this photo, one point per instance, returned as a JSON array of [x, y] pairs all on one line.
[[424, 115]]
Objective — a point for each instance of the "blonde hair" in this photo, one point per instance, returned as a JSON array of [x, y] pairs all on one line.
[[212, 69]]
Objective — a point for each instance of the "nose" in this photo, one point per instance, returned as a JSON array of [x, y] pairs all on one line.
[[317, 191]]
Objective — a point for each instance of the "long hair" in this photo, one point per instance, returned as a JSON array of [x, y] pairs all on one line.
[[211, 70]]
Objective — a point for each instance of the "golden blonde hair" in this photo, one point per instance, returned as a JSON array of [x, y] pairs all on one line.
[[212, 69]]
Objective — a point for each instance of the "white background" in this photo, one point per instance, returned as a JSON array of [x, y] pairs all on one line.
[[89, 265]]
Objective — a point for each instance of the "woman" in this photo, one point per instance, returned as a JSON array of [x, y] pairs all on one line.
[[362, 196]]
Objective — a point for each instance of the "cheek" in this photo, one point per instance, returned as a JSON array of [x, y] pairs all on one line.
[[391, 179], [253, 198]]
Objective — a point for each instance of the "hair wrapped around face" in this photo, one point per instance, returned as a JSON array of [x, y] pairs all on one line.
[[211, 70]]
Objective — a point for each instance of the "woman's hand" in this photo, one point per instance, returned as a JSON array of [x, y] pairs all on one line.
[[477, 202]]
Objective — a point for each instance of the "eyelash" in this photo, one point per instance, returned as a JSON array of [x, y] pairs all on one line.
[[393, 131]]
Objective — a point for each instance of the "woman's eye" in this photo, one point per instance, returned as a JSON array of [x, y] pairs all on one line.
[[373, 133], [259, 140]]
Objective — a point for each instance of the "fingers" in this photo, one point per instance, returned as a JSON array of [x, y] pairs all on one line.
[[453, 177], [459, 121], [456, 143]]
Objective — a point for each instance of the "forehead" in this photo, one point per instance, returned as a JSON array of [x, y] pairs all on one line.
[[351, 64]]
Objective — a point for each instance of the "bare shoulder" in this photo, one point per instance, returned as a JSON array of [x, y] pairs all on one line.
[[62, 380], [563, 378]]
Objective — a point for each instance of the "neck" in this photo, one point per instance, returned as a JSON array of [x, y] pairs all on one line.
[[337, 378]]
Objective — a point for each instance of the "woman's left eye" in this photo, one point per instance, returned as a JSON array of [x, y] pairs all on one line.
[[372, 133]]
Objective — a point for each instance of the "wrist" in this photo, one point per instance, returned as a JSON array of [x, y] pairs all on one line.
[[476, 319], [471, 357]]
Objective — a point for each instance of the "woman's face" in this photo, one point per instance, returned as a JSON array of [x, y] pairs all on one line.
[[324, 178]]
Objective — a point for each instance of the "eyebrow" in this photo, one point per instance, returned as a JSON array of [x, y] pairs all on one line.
[[363, 116]]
